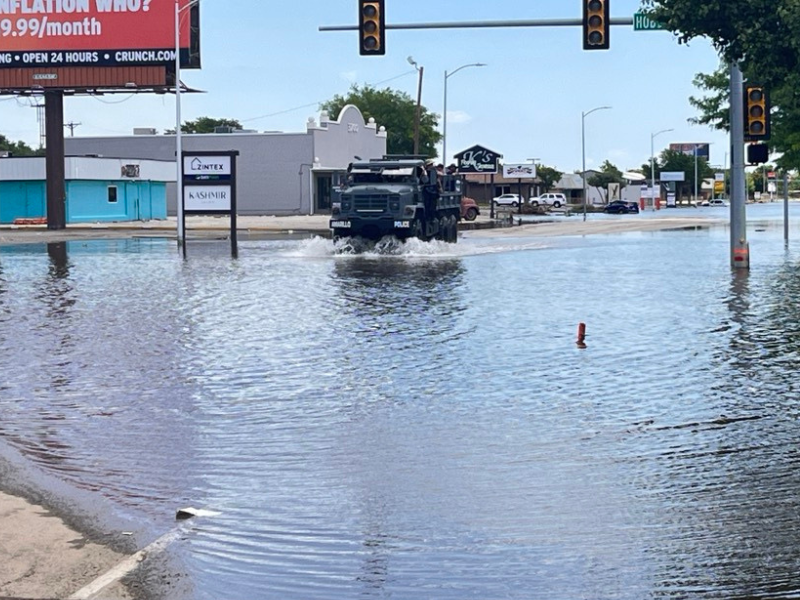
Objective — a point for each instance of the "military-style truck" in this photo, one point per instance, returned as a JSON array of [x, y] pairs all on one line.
[[399, 196]]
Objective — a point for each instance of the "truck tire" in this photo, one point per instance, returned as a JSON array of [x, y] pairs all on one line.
[[442, 234], [471, 214], [416, 230], [556, 204], [452, 230]]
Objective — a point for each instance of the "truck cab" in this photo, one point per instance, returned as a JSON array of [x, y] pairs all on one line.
[[402, 197]]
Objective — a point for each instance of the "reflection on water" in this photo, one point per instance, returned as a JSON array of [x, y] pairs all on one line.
[[422, 424]]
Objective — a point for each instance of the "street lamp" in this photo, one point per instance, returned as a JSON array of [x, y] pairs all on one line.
[[583, 151], [414, 64], [178, 140], [652, 166], [444, 114]]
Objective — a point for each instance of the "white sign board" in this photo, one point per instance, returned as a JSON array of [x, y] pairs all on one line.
[[520, 171], [719, 176], [613, 191], [671, 175], [197, 166], [647, 192], [207, 197]]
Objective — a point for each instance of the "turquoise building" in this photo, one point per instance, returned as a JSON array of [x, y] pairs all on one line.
[[97, 189]]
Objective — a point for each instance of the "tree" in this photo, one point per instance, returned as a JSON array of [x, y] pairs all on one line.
[[785, 116], [397, 112], [674, 160], [608, 174], [18, 148], [548, 176], [762, 35], [205, 125]]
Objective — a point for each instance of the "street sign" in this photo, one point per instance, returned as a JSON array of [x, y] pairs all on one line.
[[671, 176], [641, 22]]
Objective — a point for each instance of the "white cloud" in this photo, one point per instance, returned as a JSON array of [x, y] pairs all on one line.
[[349, 76], [458, 116]]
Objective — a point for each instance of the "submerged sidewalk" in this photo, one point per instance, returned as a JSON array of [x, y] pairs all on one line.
[[42, 558]]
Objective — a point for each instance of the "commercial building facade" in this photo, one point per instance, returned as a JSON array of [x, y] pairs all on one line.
[[277, 173], [97, 189]]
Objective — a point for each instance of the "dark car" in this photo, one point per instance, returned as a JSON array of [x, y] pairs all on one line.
[[620, 207]]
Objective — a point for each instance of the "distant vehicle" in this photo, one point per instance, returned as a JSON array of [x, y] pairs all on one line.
[[714, 202], [507, 200], [554, 200], [620, 207], [469, 209]]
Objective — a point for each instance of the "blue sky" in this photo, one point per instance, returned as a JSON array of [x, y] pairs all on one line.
[[267, 65]]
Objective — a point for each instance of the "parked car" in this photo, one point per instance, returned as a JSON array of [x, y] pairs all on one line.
[[620, 207], [507, 200], [714, 202], [469, 209], [554, 200]]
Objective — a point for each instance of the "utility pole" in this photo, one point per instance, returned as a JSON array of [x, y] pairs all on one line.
[[71, 126], [413, 63]]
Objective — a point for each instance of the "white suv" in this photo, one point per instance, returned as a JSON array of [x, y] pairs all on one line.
[[554, 200], [507, 200]]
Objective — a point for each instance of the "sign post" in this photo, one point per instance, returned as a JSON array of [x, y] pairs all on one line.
[[209, 188]]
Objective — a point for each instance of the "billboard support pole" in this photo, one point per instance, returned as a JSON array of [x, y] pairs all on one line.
[[178, 140], [54, 159]]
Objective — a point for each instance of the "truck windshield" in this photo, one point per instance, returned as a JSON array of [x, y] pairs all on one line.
[[404, 175]]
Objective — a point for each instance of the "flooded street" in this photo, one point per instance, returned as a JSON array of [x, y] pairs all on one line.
[[421, 424]]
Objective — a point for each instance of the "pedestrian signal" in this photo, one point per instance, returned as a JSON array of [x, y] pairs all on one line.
[[595, 24], [756, 113], [757, 154], [371, 28]]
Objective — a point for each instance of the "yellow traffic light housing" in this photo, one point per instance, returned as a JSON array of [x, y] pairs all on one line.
[[756, 113], [596, 24], [371, 28]]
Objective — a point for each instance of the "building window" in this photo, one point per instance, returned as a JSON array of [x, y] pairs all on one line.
[[112, 193]]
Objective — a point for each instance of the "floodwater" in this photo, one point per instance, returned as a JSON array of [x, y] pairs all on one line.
[[422, 425]]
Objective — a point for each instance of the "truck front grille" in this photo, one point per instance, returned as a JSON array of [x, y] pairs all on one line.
[[377, 203]]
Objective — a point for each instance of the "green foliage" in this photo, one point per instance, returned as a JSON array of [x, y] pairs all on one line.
[[674, 160], [397, 112], [206, 125], [548, 176], [18, 148], [763, 35], [608, 174], [715, 108]]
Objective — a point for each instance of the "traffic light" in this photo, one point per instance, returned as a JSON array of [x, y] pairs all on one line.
[[756, 113], [595, 24], [371, 28]]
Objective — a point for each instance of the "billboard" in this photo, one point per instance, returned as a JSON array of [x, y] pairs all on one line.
[[702, 149], [97, 33], [524, 171]]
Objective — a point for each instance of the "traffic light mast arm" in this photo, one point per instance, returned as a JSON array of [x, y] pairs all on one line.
[[482, 24]]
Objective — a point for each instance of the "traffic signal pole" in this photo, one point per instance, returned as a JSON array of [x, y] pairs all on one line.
[[740, 250]]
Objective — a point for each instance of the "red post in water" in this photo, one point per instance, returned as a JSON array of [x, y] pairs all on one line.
[[581, 342]]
